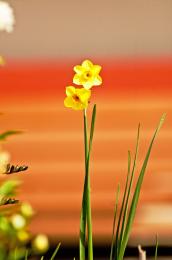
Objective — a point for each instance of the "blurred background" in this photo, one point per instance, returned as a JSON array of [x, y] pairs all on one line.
[[132, 41]]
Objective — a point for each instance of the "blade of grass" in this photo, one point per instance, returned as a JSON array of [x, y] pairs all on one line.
[[137, 193], [89, 218], [42, 257], [156, 248], [26, 255], [55, 252], [114, 221], [129, 191], [82, 239], [117, 241]]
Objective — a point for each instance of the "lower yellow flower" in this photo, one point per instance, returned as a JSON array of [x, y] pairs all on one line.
[[77, 99], [87, 74]]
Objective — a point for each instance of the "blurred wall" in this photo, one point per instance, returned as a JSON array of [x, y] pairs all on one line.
[[125, 37], [54, 28]]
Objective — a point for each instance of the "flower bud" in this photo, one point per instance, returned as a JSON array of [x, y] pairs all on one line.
[[40, 243]]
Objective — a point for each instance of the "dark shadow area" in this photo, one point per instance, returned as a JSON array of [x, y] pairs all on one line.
[[103, 252]]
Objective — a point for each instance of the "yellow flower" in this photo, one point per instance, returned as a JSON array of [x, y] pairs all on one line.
[[2, 61], [40, 243], [18, 221], [27, 210], [4, 161], [77, 99], [87, 74], [23, 236]]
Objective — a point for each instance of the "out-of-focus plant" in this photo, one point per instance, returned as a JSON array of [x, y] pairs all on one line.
[[87, 76], [7, 19]]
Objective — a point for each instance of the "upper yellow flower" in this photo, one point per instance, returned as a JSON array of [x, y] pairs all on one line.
[[77, 98], [87, 74]]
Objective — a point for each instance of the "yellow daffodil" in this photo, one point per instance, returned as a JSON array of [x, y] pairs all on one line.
[[87, 75], [77, 99]]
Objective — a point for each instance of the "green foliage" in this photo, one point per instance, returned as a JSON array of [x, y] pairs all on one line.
[[8, 188], [4, 135], [86, 200], [127, 214], [55, 252]]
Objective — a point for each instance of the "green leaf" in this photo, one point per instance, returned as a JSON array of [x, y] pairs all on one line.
[[156, 248], [82, 238], [114, 221], [123, 211], [4, 135], [92, 127], [89, 217], [8, 188], [135, 198], [129, 190], [55, 252], [26, 255]]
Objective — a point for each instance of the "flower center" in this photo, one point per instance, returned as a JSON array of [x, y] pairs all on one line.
[[76, 98], [88, 74]]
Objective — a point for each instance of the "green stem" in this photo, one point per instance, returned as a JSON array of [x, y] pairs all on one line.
[[84, 201], [89, 218]]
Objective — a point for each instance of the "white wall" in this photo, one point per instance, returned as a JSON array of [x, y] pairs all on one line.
[[67, 28]]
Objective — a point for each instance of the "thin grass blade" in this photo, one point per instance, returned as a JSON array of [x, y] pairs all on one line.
[[137, 193], [82, 239], [118, 240], [129, 191], [26, 255], [55, 252], [156, 248], [114, 221], [92, 127], [89, 217]]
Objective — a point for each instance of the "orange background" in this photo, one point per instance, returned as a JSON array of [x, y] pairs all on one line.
[[133, 91]]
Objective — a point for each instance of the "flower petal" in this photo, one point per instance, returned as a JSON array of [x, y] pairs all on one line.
[[87, 64], [84, 95], [97, 69], [88, 84], [68, 102], [78, 69], [70, 91], [77, 79], [97, 80]]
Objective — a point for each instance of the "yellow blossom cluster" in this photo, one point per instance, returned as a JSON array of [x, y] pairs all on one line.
[[87, 76]]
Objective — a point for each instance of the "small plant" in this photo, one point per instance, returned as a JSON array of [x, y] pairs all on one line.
[[87, 76]]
